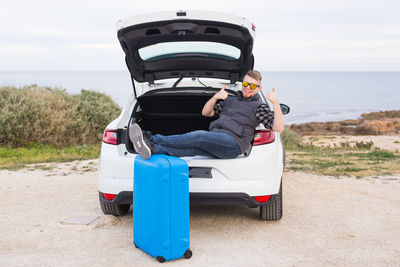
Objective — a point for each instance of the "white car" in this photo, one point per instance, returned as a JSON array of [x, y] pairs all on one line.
[[177, 61]]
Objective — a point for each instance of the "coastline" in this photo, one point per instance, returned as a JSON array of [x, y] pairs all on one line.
[[312, 95], [374, 123]]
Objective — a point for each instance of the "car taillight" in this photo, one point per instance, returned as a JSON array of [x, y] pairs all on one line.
[[262, 199], [262, 137], [110, 137], [109, 196]]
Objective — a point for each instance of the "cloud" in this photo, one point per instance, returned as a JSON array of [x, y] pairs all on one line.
[[294, 35], [99, 46]]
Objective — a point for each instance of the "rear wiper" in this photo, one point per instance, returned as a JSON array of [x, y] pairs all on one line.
[[178, 81], [202, 83], [181, 78]]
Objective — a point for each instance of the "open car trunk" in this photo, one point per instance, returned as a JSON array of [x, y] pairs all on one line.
[[173, 111]]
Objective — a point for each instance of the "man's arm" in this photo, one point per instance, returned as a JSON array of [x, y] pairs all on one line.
[[208, 109], [278, 116]]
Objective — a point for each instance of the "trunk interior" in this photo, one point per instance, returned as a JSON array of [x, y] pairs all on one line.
[[172, 114], [174, 111]]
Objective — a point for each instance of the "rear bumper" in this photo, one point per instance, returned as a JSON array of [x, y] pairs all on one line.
[[200, 199], [255, 175]]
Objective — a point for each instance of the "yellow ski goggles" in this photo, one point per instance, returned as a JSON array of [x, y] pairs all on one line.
[[252, 85]]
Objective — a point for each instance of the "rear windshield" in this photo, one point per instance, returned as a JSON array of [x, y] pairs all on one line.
[[184, 49]]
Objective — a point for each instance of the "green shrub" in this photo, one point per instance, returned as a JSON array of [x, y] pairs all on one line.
[[33, 114], [95, 111], [290, 138]]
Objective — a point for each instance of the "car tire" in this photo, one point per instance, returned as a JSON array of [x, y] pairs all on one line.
[[272, 211], [114, 209]]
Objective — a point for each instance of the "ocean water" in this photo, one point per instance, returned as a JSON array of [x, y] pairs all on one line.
[[312, 96]]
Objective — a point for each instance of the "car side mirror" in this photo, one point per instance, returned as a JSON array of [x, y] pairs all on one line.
[[285, 109]]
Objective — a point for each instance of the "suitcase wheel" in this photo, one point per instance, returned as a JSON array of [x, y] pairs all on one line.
[[135, 245], [188, 254], [160, 259]]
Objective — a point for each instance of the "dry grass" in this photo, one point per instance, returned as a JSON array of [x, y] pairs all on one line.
[[346, 161], [16, 158]]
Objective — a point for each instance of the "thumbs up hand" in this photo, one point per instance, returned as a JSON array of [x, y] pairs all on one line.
[[222, 94], [271, 96]]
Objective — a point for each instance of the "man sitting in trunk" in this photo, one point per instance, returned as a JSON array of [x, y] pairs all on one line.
[[228, 136]]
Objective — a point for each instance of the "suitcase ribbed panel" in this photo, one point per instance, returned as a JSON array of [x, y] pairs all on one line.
[[180, 217]]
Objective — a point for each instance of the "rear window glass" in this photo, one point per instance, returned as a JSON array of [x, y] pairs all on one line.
[[182, 49]]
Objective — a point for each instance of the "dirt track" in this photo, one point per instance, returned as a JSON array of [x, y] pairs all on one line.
[[326, 221]]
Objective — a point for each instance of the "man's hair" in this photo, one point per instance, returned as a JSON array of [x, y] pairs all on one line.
[[254, 74]]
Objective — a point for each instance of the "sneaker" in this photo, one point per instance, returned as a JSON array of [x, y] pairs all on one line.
[[141, 143], [147, 134], [149, 143]]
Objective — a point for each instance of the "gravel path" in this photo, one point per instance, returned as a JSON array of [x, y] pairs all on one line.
[[326, 221]]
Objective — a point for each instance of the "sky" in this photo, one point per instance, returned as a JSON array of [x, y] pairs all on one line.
[[305, 35]]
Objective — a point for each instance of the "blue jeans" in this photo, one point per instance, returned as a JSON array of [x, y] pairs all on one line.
[[202, 143]]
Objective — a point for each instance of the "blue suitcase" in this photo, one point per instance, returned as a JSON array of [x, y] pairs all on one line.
[[161, 222]]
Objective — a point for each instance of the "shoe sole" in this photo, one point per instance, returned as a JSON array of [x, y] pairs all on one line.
[[136, 136]]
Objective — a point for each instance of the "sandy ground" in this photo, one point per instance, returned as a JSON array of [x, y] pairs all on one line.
[[327, 221], [387, 142]]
